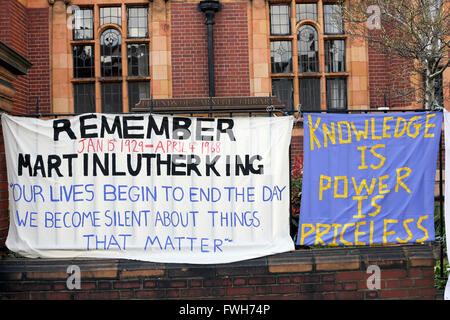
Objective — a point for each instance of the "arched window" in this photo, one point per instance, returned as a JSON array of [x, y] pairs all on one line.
[[308, 54], [111, 53], [308, 49], [111, 57]]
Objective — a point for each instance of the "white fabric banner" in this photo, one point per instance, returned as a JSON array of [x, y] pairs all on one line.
[[447, 191], [148, 187]]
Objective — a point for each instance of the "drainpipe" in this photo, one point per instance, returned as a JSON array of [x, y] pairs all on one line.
[[209, 8]]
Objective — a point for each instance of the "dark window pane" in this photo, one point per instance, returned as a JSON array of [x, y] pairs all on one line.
[[136, 92], [281, 56], [284, 90], [111, 15], [84, 97], [279, 19], [112, 97], [82, 24], [137, 22], [335, 56], [138, 60], [308, 49], [83, 62], [306, 11], [309, 93], [337, 94], [333, 19], [110, 54]]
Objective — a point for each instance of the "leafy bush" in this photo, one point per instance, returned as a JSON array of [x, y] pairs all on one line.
[[296, 193]]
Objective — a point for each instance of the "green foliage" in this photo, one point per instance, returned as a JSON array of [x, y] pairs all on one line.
[[296, 194], [439, 282]]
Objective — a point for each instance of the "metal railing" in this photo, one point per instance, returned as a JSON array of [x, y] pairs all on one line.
[[271, 110]]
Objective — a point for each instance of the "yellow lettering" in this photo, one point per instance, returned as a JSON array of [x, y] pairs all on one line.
[[405, 224], [373, 214], [386, 127], [379, 156], [363, 183], [422, 228], [399, 179], [312, 136], [349, 137], [343, 241], [327, 134], [363, 160], [304, 235], [360, 198], [361, 133], [322, 187], [383, 187], [336, 185], [319, 233], [374, 137], [371, 233], [357, 234], [385, 233], [416, 126], [398, 134], [335, 226], [429, 125]]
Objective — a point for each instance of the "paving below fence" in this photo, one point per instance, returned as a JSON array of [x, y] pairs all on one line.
[[405, 272]]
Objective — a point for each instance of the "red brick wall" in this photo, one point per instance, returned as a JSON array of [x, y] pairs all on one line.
[[14, 33], [190, 53], [39, 55], [327, 274], [27, 32], [231, 51], [388, 75]]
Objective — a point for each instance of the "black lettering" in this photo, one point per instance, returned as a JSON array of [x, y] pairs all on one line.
[[116, 127], [104, 167], [114, 164], [127, 128], [210, 165], [62, 125], [180, 128], [39, 165], [260, 167], [199, 129], [228, 129], [164, 128], [84, 127], [69, 158], [193, 165], [177, 162], [131, 170], [23, 162], [53, 163]]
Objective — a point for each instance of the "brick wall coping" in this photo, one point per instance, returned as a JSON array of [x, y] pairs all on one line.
[[299, 261]]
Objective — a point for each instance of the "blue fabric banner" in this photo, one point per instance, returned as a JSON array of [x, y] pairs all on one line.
[[369, 178]]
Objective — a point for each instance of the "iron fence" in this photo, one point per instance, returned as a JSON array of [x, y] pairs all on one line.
[[270, 110]]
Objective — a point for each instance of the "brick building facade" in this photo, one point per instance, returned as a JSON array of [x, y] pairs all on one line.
[[105, 55]]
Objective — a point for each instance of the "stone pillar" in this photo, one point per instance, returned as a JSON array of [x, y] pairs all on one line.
[[260, 83], [160, 66], [60, 35]]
